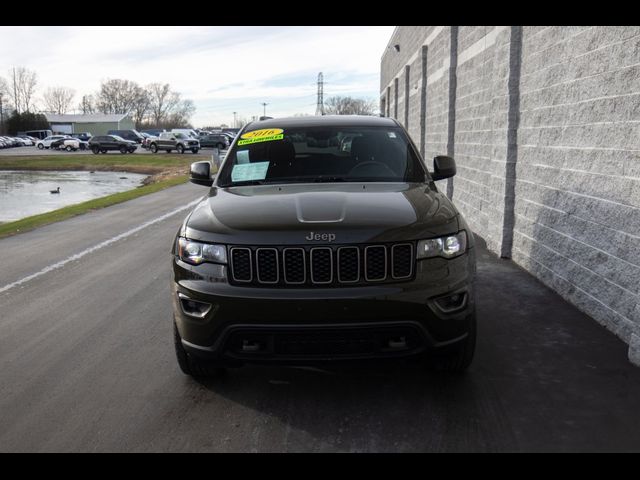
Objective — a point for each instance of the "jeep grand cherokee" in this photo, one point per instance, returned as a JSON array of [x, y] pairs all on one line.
[[323, 239]]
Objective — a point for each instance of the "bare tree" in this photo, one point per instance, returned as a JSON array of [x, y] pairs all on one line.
[[4, 102], [349, 106], [182, 114], [141, 106], [23, 88], [162, 101], [117, 96], [58, 99], [87, 104]]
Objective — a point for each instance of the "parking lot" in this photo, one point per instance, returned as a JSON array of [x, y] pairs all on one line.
[[31, 151]]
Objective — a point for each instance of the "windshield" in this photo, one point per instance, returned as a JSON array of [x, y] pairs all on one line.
[[321, 154], [118, 138], [181, 136]]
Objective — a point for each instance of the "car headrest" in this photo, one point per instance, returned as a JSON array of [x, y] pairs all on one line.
[[281, 151], [364, 148]]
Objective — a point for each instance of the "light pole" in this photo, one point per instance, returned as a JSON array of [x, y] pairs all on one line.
[[234, 119], [264, 112]]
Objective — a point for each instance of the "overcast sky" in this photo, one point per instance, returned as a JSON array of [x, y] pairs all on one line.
[[222, 69]]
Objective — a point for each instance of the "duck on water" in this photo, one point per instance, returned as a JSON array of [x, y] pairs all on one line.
[[55, 191]]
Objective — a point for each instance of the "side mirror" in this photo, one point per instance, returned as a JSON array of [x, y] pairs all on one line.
[[443, 167], [201, 174]]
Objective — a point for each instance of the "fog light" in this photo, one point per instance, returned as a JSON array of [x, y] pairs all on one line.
[[452, 303], [193, 308]]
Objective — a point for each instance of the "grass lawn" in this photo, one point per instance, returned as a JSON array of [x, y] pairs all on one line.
[[132, 163]]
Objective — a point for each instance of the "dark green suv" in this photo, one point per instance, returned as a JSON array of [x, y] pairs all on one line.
[[323, 239], [105, 143]]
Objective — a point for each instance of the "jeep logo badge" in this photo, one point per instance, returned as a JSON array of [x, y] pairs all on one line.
[[325, 237]]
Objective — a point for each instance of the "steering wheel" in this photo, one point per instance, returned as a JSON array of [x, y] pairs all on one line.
[[383, 168]]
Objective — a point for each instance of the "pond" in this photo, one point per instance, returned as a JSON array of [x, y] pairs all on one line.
[[26, 193]]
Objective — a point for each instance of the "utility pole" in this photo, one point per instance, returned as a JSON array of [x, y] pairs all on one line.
[[264, 105], [234, 119], [320, 102]]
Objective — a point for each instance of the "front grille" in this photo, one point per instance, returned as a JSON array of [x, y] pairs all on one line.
[[322, 266]]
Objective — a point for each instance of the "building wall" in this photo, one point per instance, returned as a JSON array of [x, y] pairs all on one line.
[[127, 123], [544, 124]]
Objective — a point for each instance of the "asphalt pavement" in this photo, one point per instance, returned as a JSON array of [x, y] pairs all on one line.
[[87, 363]]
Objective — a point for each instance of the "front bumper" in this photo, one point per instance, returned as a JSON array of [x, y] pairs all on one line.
[[249, 324]]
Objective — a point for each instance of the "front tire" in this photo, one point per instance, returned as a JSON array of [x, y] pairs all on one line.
[[192, 366], [180, 149], [154, 148], [40, 146], [95, 150]]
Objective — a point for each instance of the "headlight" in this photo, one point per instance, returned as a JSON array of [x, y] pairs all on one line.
[[195, 252], [447, 247]]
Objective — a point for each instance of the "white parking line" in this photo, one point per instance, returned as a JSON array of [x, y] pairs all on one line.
[[99, 246]]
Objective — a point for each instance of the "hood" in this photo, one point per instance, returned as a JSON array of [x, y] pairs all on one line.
[[301, 214]]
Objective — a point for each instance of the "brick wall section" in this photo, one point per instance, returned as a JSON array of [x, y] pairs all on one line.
[[547, 143], [577, 215]]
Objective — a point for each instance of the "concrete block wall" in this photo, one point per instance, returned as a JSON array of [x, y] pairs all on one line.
[[544, 124]]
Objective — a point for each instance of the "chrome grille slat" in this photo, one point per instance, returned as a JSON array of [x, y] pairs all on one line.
[[328, 266]]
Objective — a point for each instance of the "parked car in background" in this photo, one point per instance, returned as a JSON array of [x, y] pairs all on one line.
[[46, 142], [229, 136], [69, 144], [19, 141], [105, 143], [215, 140], [131, 135], [169, 141], [27, 141], [14, 141], [3, 144], [39, 134], [146, 141], [189, 132], [84, 136], [154, 132]]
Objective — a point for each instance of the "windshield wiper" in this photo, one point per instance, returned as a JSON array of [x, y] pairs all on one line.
[[244, 182]]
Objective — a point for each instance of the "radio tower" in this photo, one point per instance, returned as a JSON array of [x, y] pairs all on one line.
[[320, 107]]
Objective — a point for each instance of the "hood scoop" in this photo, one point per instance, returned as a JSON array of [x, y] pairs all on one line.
[[321, 207]]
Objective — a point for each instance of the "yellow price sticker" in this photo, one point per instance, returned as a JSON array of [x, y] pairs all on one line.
[[263, 135], [265, 132]]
